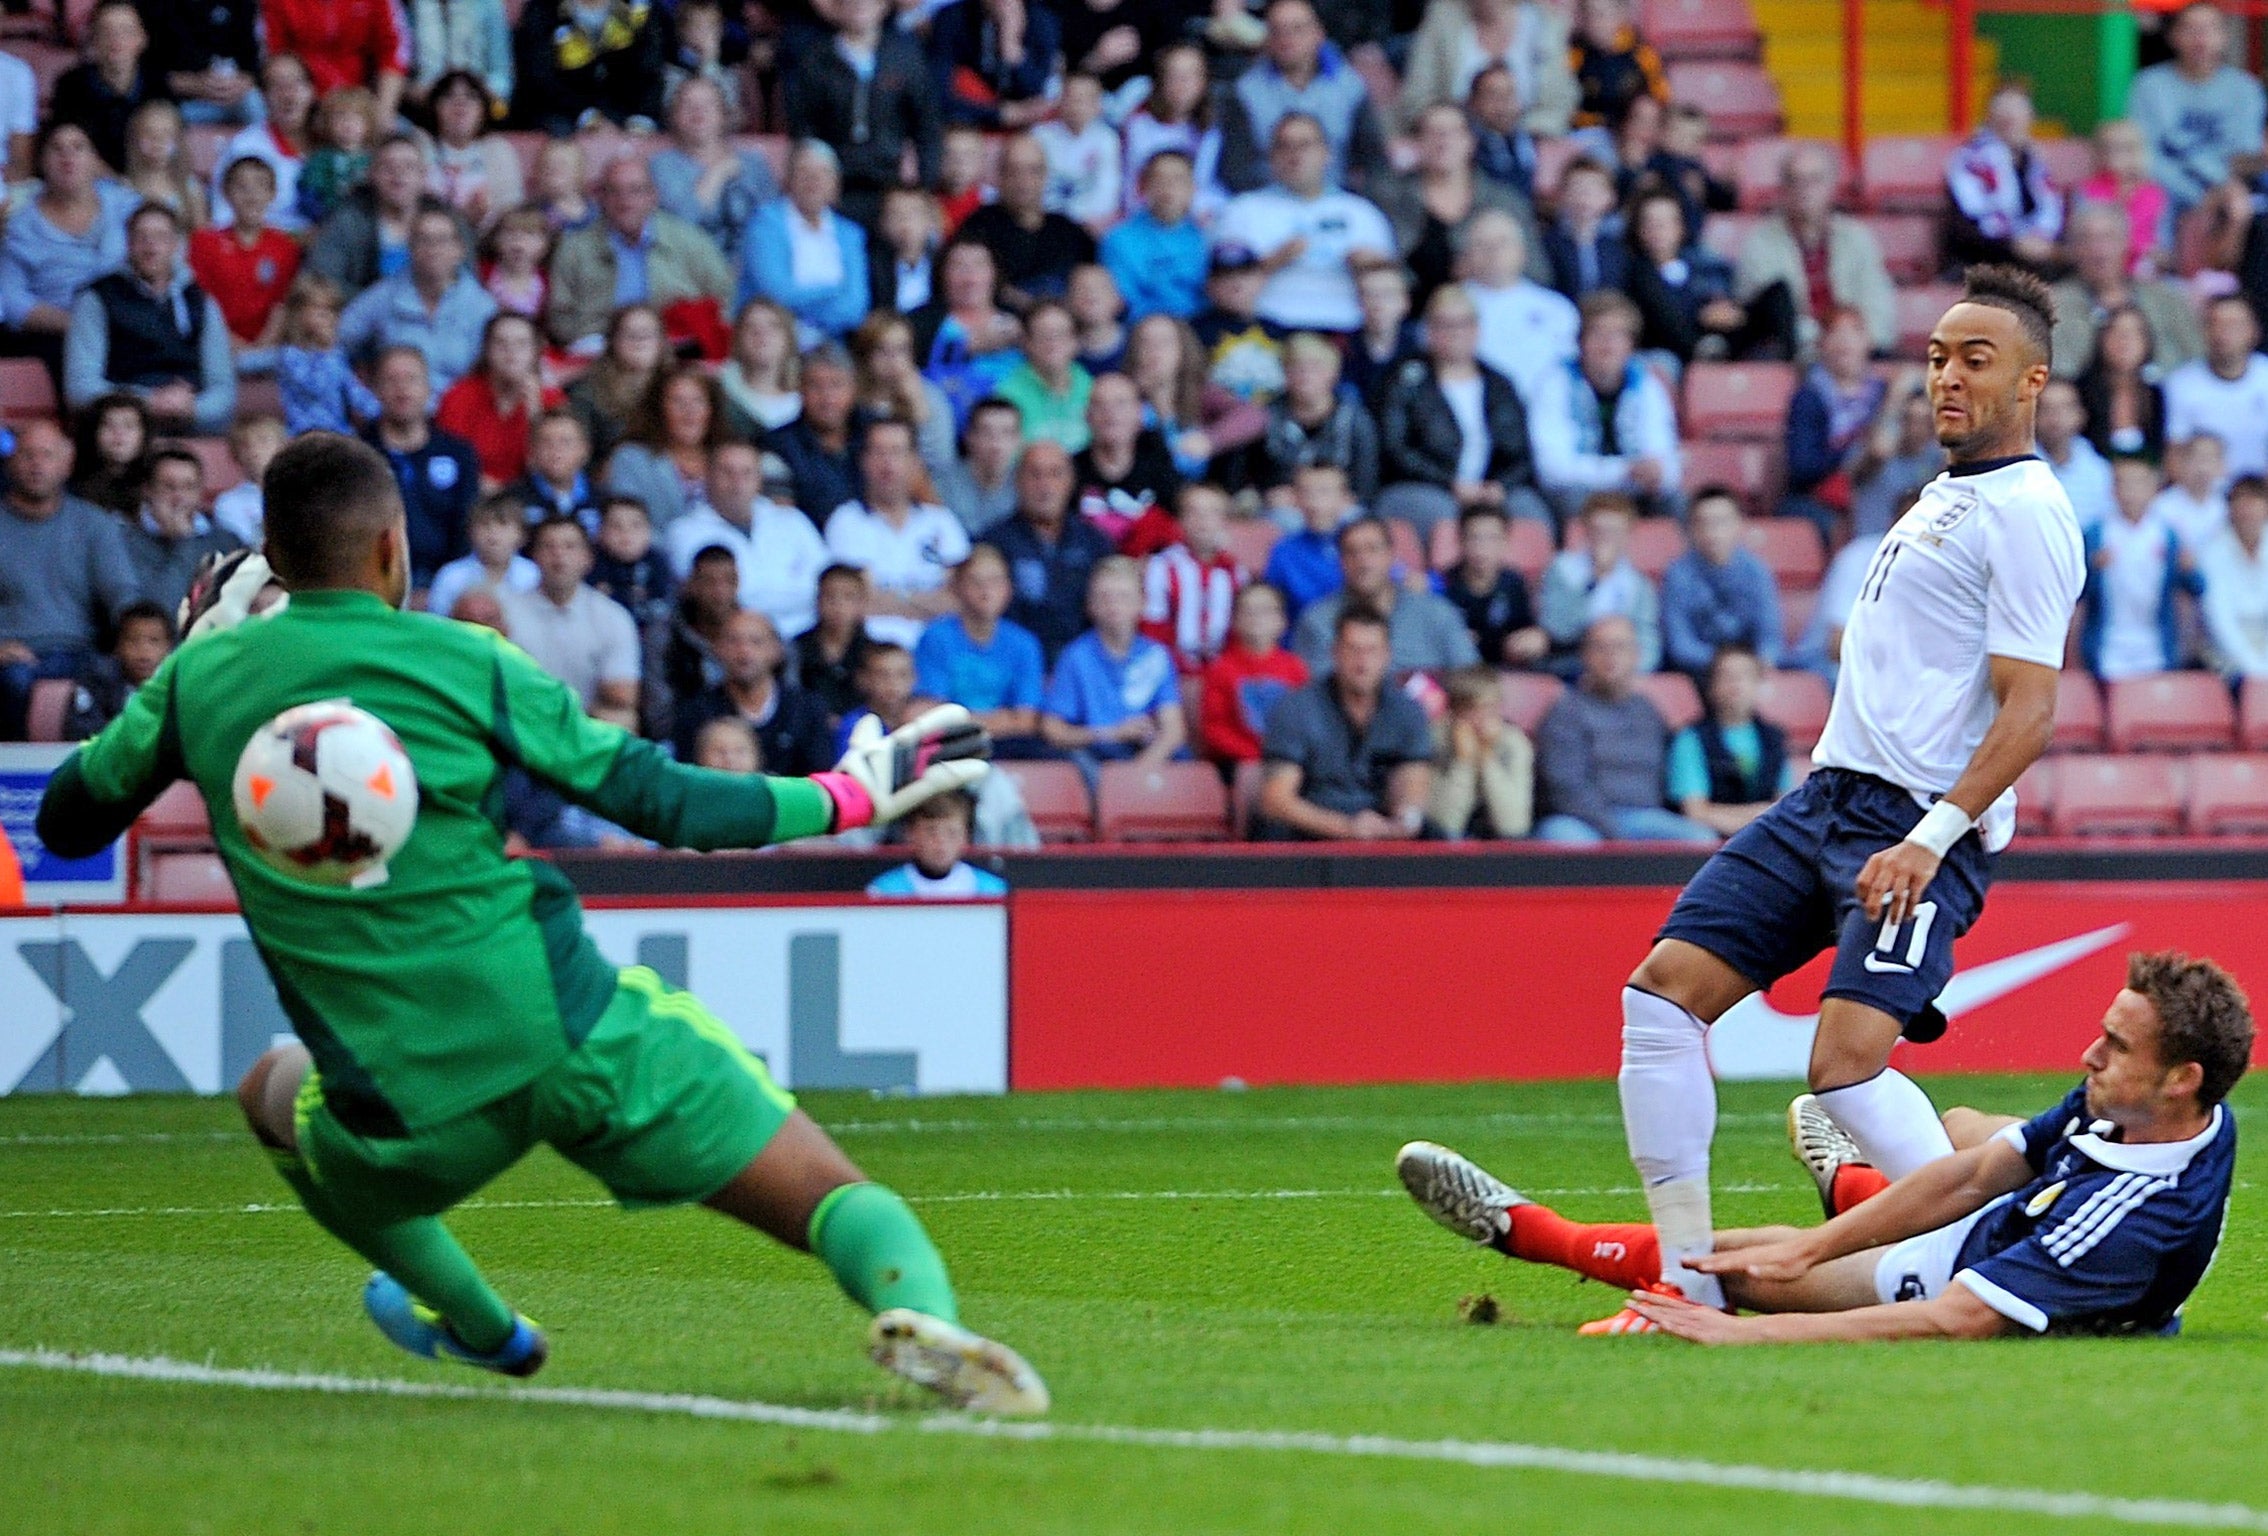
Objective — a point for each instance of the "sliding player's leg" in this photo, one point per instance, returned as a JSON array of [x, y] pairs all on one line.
[[428, 1296]]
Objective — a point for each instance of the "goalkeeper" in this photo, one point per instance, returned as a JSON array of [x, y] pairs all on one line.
[[456, 1015]]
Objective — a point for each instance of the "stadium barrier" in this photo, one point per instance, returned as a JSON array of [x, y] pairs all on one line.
[[1154, 971]]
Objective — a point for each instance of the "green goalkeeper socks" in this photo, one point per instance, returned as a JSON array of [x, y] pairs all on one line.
[[419, 1253], [880, 1253]]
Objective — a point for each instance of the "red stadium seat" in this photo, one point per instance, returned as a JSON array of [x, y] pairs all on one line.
[[199, 878], [1756, 170], [2253, 712], [1701, 29], [1674, 695], [1244, 795], [1745, 401], [1173, 802], [1909, 245], [26, 390], [2078, 713], [1919, 310], [1796, 609], [1528, 550], [1789, 547], [1528, 697], [2035, 798], [1742, 101], [1251, 540], [1726, 233], [2228, 795], [1056, 796], [2116, 797], [2169, 712], [1796, 702], [1905, 173], [48, 708], [1752, 471], [178, 812], [1655, 544]]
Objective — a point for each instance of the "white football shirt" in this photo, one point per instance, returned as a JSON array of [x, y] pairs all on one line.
[[905, 560], [1987, 562]]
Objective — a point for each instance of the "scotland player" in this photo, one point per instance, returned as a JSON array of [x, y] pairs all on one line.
[[2099, 1216], [1946, 695]]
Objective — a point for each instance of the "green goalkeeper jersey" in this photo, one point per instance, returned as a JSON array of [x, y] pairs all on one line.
[[466, 974]]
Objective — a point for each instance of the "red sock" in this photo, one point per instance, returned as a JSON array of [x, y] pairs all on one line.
[[1627, 1254], [1855, 1184]]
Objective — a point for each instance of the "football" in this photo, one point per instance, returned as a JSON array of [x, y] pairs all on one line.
[[325, 793]]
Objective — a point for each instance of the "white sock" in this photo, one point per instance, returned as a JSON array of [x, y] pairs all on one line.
[[1669, 1114], [1892, 1121]]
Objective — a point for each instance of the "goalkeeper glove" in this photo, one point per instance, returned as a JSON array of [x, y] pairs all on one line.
[[222, 593], [882, 777]]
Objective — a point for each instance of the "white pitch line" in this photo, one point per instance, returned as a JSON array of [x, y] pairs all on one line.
[[1856, 1487]]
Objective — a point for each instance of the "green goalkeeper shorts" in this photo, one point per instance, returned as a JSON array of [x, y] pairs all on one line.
[[660, 1103]]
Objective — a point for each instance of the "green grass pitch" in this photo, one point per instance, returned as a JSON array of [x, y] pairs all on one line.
[[1169, 1261]]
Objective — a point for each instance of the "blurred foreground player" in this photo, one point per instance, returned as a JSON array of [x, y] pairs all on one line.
[[456, 1015], [2100, 1215], [1947, 694]]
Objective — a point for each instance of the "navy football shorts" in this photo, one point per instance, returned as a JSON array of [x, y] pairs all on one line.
[[1783, 889]]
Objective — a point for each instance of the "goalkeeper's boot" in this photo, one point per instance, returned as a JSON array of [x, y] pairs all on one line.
[[1458, 1192], [1823, 1147], [966, 1369], [416, 1327], [1629, 1319]]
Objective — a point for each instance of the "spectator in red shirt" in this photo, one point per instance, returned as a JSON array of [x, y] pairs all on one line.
[[247, 267], [1189, 587], [343, 42], [1245, 680], [494, 406]]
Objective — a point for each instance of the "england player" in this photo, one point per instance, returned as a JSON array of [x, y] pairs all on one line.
[[2100, 1215], [456, 1015], [1946, 695]]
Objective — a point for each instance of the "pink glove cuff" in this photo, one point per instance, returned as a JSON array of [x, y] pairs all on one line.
[[854, 807]]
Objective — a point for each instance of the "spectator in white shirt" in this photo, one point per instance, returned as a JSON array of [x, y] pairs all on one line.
[[1083, 178], [2235, 568], [907, 548], [2192, 504], [1312, 237], [2061, 426], [581, 636], [1604, 422], [778, 552], [1526, 329], [495, 529], [2135, 565], [2225, 392]]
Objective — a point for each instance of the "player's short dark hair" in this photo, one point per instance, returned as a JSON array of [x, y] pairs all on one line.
[[1370, 520], [325, 498], [2018, 292], [143, 611], [2203, 1016]]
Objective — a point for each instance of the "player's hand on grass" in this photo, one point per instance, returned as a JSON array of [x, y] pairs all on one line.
[[882, 777], [1690, 1319], [1891, 885], [1790, 1260]]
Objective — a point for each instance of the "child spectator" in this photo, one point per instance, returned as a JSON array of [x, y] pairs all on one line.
[[1157, 255], [699, 29], [253, 440], [1484, 770], [1126, 479], [1388, 337], [886, 690], [1177, 118], [902, 258], [2235, 568], [830, 653], [345, 131], [1718, 593], [496, 528], [1244, 354], [962, 189], [1305, 565], [562, 179], [728, 744], [249, 266], [555, 484], [1115, 694], [143, 635], [2122, 180], [1613, 66], [2129, 626], [1246, 679], [320, 392], [2192, 505], [937, 834], [626, 566], [1083, 181], [1585, 242], [1727, 768], [1503, 148], [494, 406], [112, 442], [976, 658], [1189, 587], [1661, 146], [1100, 315], [1313, 419], [1491, 595], [518, 253], [156, 166], [1582, 586]]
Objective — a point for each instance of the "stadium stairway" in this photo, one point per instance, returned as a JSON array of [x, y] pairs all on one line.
[[1906, 70]]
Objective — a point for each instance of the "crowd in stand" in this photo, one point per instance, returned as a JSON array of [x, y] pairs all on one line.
[[1110, 370]]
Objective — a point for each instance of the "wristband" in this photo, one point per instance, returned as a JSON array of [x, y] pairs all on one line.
[[854, 807], [1943, 825]]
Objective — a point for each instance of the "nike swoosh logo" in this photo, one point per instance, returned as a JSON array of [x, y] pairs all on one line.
[[1756, 1040]]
